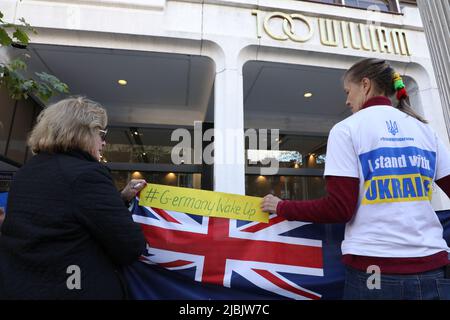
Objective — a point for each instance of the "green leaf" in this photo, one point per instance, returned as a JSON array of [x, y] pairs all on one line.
[[28, 85], [44, 91], [27, 25], [45, 76], [8, 25], [18, 64], [62, 87], [20, 35], [54, 82], [11, 76], [15, 75], [5, 39]]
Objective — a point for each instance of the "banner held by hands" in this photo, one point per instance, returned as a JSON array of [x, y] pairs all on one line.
[[204, 203]]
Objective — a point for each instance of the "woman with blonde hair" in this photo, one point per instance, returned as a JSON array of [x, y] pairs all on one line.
[[67, 232]]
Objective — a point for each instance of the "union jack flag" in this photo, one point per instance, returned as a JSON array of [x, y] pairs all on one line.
[[233, 253]]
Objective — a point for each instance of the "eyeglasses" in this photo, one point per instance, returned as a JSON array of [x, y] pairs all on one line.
[[102, 134]]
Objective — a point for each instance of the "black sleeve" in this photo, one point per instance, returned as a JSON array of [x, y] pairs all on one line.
[[101, 210]]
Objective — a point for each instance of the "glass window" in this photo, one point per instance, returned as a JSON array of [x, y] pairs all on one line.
[[188, 180], [23, 121], [140, 145], [150, 146], [295, 151], [6, 115], [285, 187], [381, 5], [328, 1], [378, 5], [5, 181]]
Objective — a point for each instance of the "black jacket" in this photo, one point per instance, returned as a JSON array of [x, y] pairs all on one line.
[[63, 210]]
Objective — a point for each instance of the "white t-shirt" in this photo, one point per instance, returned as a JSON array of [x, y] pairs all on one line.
[[396, 159]]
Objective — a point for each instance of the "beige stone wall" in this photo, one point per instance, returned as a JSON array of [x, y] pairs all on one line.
[[435, 16]]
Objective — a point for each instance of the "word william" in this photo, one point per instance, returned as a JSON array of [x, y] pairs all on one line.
[[334, 33]]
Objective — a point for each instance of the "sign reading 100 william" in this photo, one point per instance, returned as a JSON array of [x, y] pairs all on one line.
[[335, 33]]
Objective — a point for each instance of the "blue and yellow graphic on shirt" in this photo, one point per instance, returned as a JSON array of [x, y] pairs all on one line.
[[397, 175]]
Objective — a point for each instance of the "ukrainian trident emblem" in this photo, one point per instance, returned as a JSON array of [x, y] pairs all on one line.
[[392, 127]]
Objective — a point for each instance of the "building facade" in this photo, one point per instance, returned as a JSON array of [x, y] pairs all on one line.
[[240, 67], [435, 15]]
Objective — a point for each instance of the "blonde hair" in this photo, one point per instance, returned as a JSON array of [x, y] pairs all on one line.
[[66, 125]]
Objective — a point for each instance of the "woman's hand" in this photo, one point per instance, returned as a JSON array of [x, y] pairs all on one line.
[[132, 189], [270, 203]]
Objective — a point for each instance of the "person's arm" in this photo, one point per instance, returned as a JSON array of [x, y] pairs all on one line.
[[342, 185], [338, 206], [99, 207]]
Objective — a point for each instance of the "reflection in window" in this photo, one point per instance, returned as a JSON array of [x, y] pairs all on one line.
[[6, 117], [295, 151], [320, 159], [16, 121], [23, 121], [265, 156], [140, 145], [188, 180], [285, 187], [377, 5], [328, 1]]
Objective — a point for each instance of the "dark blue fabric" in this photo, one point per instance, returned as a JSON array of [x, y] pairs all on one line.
[[153, 282], [444, 217], [429, 285], [3, 199]]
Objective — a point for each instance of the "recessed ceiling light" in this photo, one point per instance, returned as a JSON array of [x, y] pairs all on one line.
[[308, 95], [122, 82]]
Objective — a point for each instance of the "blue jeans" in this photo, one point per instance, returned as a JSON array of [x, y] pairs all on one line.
[[429, 285]]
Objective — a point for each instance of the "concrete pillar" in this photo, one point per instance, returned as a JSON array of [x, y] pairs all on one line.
[[229, 148], [436, 20]]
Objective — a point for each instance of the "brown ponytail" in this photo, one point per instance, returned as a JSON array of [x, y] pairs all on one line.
[[386, 80], [405, 106]]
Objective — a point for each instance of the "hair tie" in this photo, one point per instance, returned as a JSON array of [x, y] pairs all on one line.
[[399, 86]]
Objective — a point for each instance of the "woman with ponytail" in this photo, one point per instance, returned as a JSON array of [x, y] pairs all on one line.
[[381, 165]]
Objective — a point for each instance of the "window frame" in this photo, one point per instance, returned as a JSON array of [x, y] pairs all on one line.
[[394, 5]]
